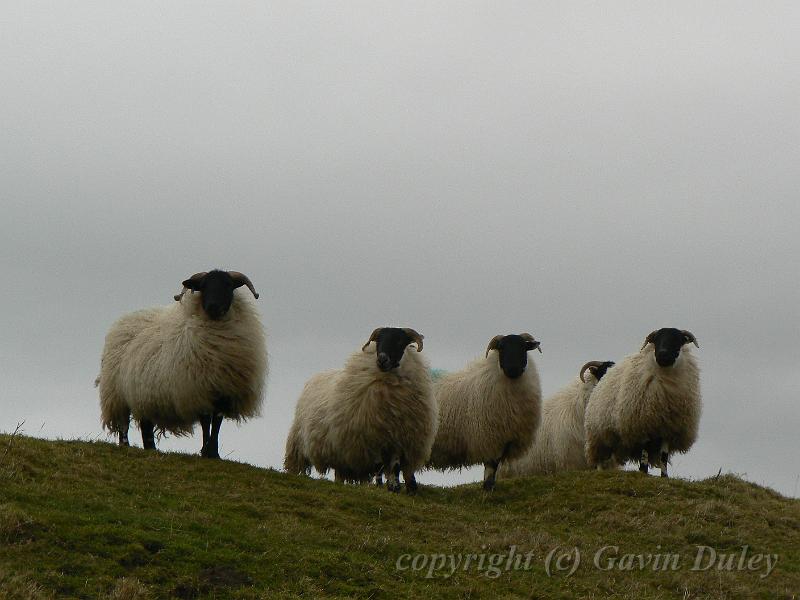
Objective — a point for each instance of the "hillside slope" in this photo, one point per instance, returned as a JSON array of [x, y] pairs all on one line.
[[89, 520]]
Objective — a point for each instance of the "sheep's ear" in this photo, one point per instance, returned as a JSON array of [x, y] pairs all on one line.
[[534, 345], [690, 339], [196, 281], [531, 343]]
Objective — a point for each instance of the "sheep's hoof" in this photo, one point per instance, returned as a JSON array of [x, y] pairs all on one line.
[[644, 468], [488, 485], [393, 487], [664, 475], [206, 453], [411, 487]]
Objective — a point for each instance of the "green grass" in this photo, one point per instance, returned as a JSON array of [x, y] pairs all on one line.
[[89, 520]]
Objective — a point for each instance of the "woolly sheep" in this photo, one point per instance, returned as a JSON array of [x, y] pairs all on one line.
[[490, 410], [377, 413], [648, 405], [202, 358], [560, 441]]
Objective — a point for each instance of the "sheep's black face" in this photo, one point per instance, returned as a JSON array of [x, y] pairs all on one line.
[[216, 288], [513, 351], [667, 344], [390, 344], [598, 372]]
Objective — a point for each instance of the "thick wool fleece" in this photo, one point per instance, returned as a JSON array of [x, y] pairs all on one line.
[[560, 441], [484, 415], [639, 402], [347, 419], [170, 364]]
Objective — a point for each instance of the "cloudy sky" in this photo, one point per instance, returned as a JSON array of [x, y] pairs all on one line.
[[587, 172]]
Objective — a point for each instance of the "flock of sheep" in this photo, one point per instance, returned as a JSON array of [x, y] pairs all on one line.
[[386, 413]]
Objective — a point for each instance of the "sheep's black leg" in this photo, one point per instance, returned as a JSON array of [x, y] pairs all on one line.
[[205, 426], [211, 444], [411, 481], [644, 462], [148, 434], [664, 459], [490, 474], [379, 474]]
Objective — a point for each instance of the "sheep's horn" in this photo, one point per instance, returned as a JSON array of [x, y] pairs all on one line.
[[589, 365], [192, 283], [417, 337], [529, 338], [690, 337], [240, 279], [371, 338], [194, 280], [648, 339], [493, 343]]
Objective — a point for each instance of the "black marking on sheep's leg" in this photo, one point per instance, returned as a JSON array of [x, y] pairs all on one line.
[[664, 461], [148, 434], [123, 437], [489, 474], [644, 462], [211, 449], [392, 471]]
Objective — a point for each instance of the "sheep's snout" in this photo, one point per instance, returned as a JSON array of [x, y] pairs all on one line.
[[514, 372], [385, 362], [216, 311], [666, 358]]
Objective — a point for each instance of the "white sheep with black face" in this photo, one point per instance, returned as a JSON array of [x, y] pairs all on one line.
[[202, 358], [489, 411], [376, 414], [560, 442], [648, 405]]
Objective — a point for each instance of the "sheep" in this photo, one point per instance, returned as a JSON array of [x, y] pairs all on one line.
[[202, 358], [559, 444], [648, 405], [375, 414], [490, 410]]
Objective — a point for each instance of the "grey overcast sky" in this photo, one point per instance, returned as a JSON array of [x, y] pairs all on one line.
[[587, 172]]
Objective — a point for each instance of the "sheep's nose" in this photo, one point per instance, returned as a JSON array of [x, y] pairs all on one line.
[[215, 311], [384, 362], [666, 359]]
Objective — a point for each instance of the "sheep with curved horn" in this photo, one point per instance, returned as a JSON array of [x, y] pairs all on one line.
[[647, 406], [489, 411], [376, 414], [202, 358]]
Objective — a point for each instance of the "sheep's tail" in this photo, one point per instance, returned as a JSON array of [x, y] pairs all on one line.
[[295, 461]]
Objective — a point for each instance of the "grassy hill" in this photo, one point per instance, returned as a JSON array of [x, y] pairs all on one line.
[[89, 520]]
